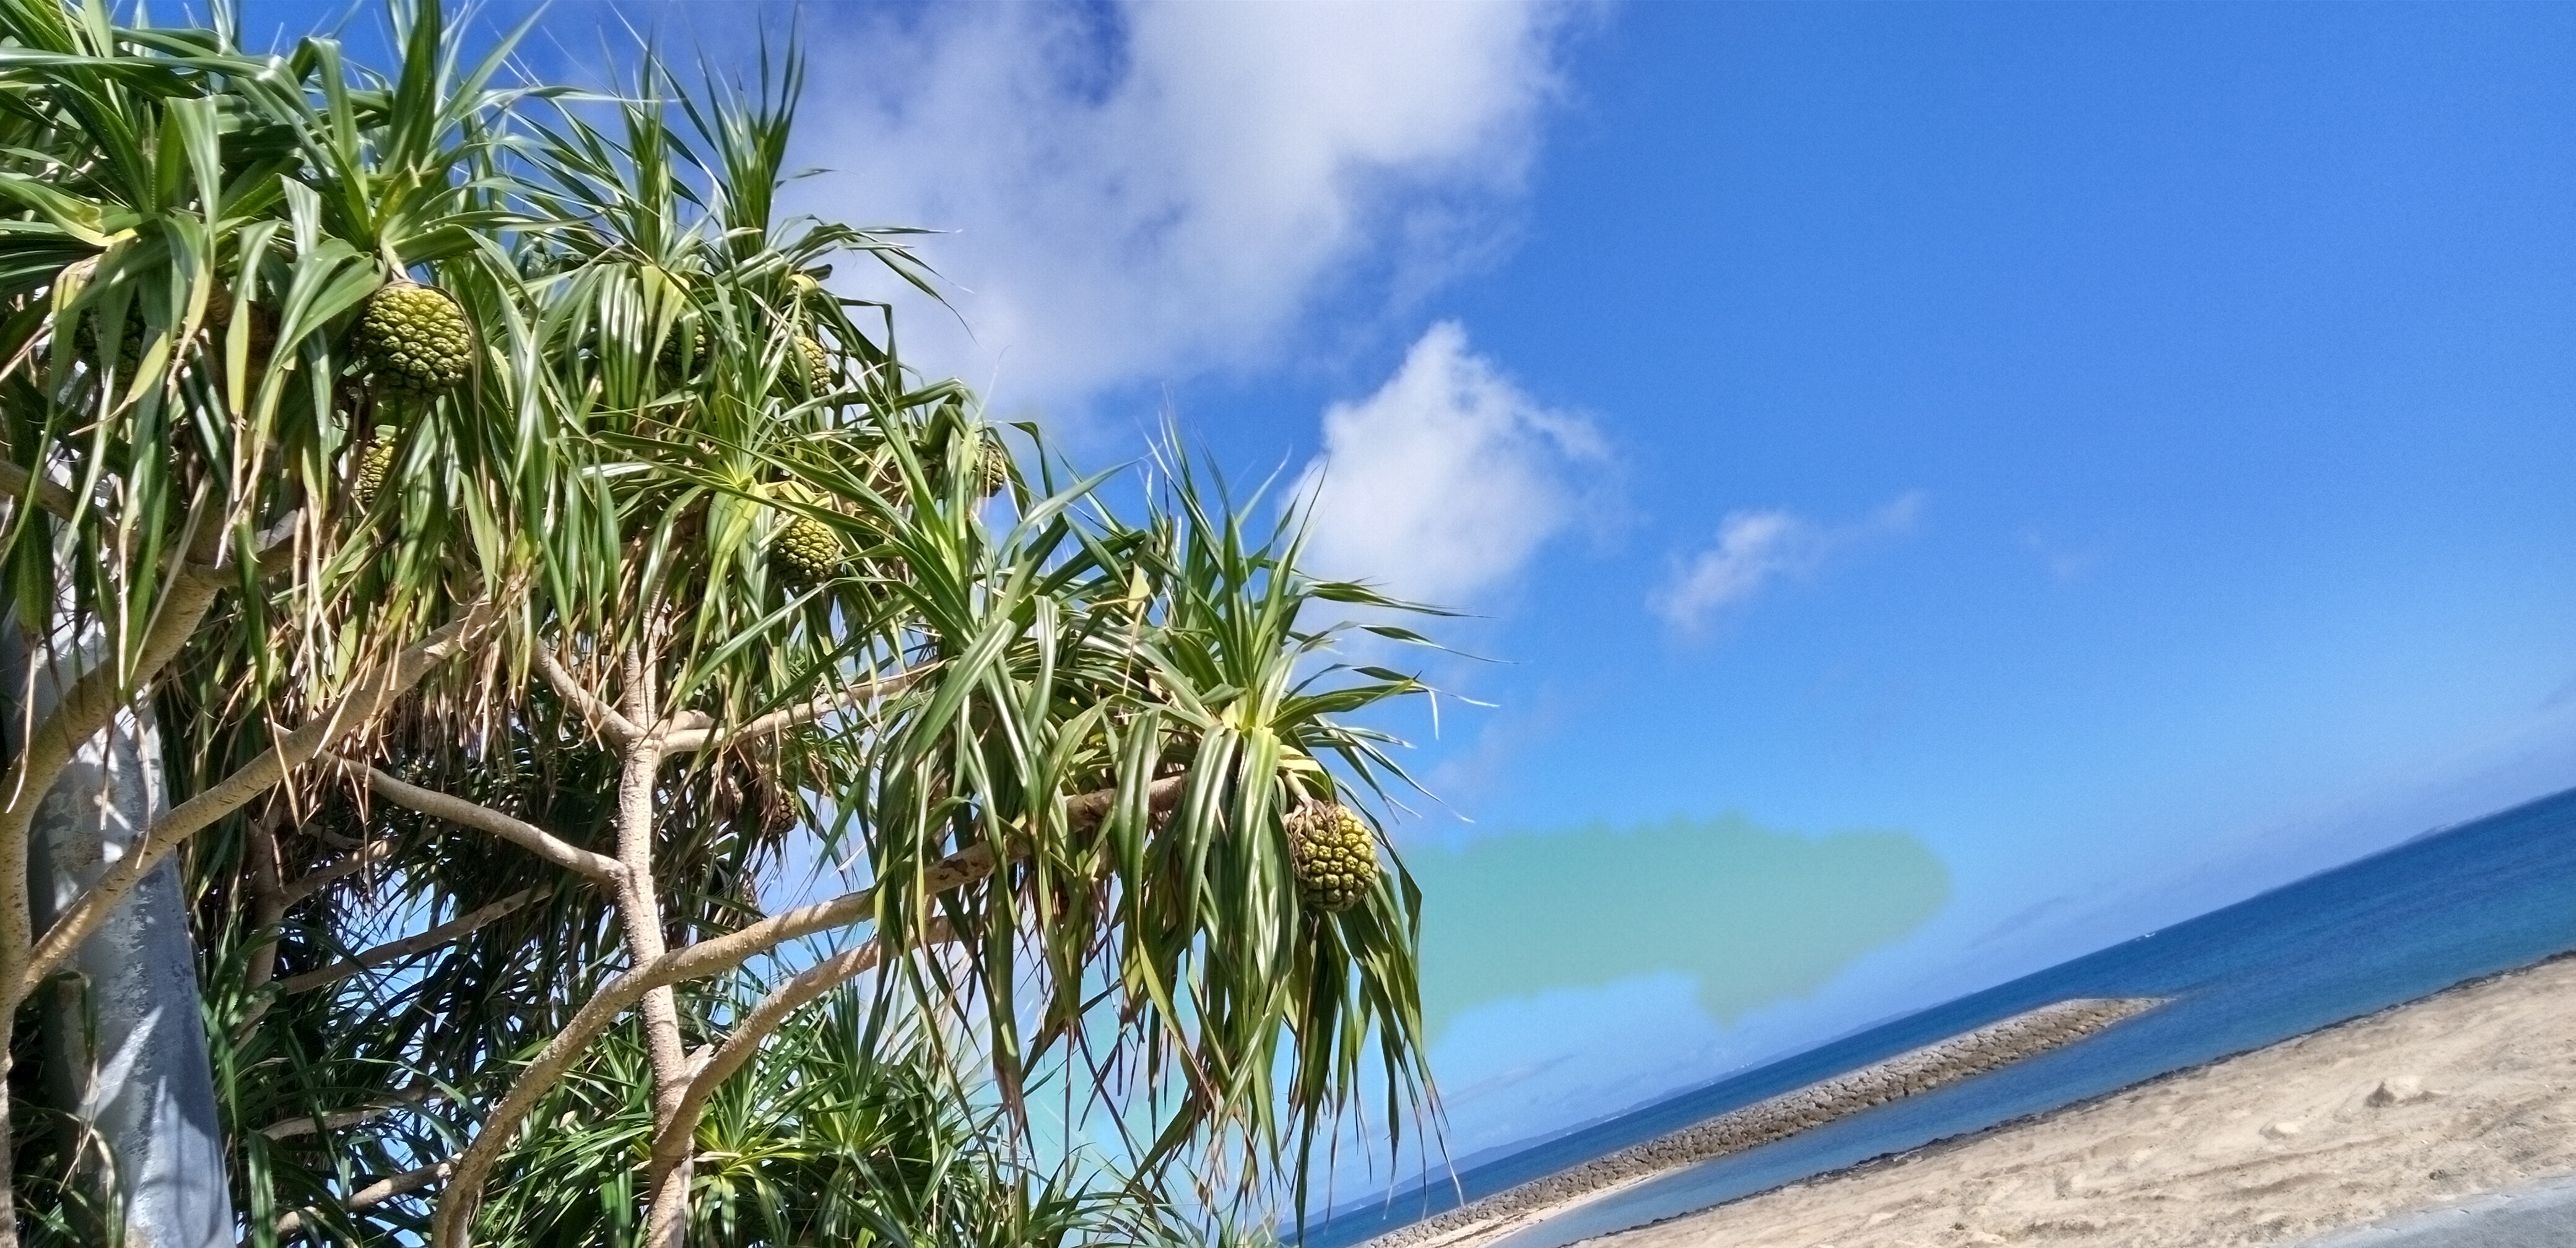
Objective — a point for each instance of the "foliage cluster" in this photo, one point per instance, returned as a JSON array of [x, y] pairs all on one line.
[[505, 694]]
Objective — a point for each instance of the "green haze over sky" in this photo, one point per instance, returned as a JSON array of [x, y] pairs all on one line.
[[1753, 916]]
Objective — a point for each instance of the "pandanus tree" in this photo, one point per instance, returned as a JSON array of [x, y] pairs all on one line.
[[190, 233], [528, 558]]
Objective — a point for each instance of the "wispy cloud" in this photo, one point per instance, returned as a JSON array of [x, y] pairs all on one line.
[[1445, 482], [1756, 548], [2065, 564], [1143, 190]]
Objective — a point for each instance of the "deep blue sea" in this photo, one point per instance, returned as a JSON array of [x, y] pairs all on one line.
[[2465, 902]]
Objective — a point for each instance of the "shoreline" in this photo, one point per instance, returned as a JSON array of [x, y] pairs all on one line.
[[2464, 1091], [1938, 1064]]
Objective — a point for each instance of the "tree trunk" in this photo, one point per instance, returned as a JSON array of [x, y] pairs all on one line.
[[640, 919], [125, 1043]]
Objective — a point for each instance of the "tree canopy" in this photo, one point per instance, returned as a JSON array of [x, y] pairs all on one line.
[[536, 562]]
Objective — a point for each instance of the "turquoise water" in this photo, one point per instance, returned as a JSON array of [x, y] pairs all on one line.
[[2473, 900]]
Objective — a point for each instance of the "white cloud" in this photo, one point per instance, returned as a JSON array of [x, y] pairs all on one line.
[[1153, 189], [1446, 481], [1756, 548]]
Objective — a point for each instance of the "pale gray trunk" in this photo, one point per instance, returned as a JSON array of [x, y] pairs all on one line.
[[125, 1045]]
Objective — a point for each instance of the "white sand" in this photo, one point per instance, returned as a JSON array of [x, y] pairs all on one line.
[[2462, 1092], [1911, 1073]]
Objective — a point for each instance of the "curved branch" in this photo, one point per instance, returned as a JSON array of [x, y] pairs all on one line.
[[457, 928], [375, 1193], [320, 877], [481, 818], [709, 957], [672, 1143], [360, 707], [700, 736], [595, 710]]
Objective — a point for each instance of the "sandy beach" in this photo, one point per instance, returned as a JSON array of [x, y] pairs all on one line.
[[2466, 1091]]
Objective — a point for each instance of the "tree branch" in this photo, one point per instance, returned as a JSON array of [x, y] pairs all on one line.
[[17, 482], [686, 740], [267, 914], [342, 1119], [595, 710], [481, 818], [320, 877], [274, 539], [267, 898], [375, 1193], [57, 499], [709, 957], [360, 707], [676, 1138], [454, 929]]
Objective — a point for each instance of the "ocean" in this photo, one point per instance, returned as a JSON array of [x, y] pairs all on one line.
[[2448, 907]]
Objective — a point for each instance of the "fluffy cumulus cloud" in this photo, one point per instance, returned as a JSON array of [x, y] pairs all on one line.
[[1756, 548], [1444, 483], [1142, 190]]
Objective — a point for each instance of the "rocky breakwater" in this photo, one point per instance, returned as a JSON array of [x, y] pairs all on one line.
[[1907, 1074]]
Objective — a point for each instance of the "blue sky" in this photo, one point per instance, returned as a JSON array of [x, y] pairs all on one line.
[[2145, 438], [2000, 478]]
